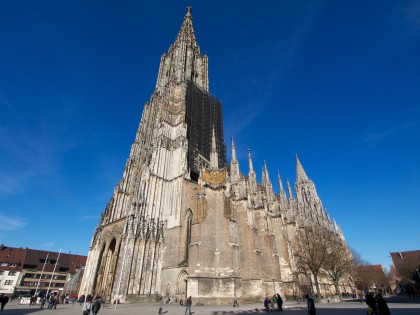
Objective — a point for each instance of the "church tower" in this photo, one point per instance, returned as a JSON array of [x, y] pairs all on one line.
[[180, 222]]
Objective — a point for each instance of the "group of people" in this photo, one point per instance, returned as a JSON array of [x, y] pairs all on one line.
[[187, 304], [3, 300], [275, 300], [92, 305], [376, 304]]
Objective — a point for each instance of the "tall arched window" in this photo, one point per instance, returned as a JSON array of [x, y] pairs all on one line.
[[188, 223]]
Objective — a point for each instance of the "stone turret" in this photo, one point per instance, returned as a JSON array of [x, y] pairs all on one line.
[[252, 177], [214, 159], [234, 166]]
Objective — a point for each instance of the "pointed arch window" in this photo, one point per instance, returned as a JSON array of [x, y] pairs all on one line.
[[188, 224]]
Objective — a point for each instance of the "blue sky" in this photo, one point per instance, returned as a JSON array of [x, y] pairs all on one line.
[[337, 82]]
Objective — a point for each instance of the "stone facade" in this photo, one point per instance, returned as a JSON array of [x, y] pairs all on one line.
[[183, 223]]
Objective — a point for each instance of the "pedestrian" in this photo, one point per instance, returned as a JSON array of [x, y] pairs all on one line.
[[382, 306], [279, 303], [371, 303], [4, 299], [188, 304], [235, 301], [311, 305], [51, 302], [96, 305], [55, 301], [86, 307], [267, 304], [160, 304], [43, 299]]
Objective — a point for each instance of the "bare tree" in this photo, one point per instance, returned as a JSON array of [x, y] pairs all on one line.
[[339, 262], [310, 251]]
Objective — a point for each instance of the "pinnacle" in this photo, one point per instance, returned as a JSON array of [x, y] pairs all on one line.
[[186, 33], [300, 172]]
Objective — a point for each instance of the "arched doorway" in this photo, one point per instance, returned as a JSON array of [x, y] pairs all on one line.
[[107, 269], [182, 284]]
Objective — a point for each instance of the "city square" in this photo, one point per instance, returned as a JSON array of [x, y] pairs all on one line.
[[398, 306]]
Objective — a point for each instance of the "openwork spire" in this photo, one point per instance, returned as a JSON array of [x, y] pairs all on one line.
[[186, 34], [300, 172], [183, 62]]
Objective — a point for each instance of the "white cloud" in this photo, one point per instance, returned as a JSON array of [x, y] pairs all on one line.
[[373, 138], [47, 244], [9, 223]]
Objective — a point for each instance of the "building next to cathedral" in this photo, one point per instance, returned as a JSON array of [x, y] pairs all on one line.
[[182, 221]]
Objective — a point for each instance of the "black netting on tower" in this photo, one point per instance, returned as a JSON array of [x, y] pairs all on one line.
[[203, 111]]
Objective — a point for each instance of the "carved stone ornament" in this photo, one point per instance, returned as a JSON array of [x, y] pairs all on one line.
[[214, 178]]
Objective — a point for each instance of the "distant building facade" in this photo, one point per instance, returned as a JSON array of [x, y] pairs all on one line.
[[26, 271], [182, 221], [407, 271], [372, 278], [11, 260]]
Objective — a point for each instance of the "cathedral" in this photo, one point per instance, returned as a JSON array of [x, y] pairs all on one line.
[[183, 221]]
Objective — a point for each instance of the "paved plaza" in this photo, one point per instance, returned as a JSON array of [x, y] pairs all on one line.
[[398, 306]]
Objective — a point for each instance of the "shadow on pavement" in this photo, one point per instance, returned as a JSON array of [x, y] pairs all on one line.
[[322, 311]]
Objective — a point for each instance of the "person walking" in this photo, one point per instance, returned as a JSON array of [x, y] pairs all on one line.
[[188, 304], [96, 304], [86, 307], [382, 306], [160, 304], [3, 300], [56, 301], [51, 302], [371, 303], [311, 305], [279, 303], [267, 304], [43, 299], [235, 301]]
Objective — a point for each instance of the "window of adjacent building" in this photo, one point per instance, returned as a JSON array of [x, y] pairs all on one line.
[[8, 282], [4, 264], [12, 273], [27, 266]]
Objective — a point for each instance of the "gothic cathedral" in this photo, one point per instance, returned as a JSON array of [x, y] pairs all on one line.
[[182, 221]]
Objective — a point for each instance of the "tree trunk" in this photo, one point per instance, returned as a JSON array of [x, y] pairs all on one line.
[[318, 290], [337, 288]]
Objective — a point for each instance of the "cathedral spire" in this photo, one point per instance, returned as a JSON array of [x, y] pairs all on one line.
[[300, 172], [186, 34], [214, 158], [183, 62]]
